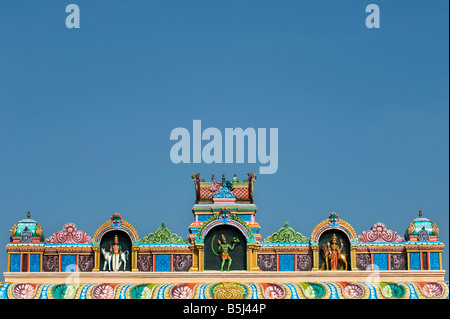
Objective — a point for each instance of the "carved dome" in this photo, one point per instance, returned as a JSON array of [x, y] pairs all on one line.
[[422, 229], [26, 231]]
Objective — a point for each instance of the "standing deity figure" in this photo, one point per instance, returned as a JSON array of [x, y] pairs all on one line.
[[334, 251], [223, 250], [116, 251]]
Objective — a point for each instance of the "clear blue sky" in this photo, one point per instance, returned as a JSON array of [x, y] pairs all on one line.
[[85, 114]]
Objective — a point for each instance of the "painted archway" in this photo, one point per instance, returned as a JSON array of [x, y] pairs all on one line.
[[128, 237], [322, 233], [225, 218], [237, 255], [231, 226]]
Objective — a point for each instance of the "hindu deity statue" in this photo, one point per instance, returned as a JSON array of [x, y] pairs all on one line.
[[223, 250], [331, 254], [334, 251], [116, 250]]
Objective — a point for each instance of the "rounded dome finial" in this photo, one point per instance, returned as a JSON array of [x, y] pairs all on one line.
[[27, 230], [422, 229]]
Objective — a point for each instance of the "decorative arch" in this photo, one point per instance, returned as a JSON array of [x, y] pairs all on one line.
[[333, 222], [116, 223], [225, 218]]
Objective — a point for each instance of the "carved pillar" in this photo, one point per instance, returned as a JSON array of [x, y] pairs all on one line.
[[252, 257], [315, 251], [201, 257], [198, 257], [96, 250], [353, 256], [195, 262], [134, 257]]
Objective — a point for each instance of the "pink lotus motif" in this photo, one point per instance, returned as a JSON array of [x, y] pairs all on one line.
[[379, 233], [69, 235]]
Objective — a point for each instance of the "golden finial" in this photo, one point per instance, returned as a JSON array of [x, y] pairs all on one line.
[[420, 213], [28, 215]]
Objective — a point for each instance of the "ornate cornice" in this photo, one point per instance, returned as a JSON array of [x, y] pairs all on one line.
[[379, 233], [334, 222], [286, 234], [111, 225], [224, 218], [163, 235], [69, 234]]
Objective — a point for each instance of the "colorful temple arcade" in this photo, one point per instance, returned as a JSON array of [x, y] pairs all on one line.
[[225, 256]]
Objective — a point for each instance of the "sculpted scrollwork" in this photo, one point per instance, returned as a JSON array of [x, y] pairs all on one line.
[[69, 234], [145, 263], [286, 235], [304, 262], [267, 262], [182, 262], [379, 233], [363, 261], [398, 261]]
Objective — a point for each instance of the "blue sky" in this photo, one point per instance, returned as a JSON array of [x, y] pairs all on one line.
[[86, 114]]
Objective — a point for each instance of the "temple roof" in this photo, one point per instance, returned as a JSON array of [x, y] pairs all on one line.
[[206, 191]]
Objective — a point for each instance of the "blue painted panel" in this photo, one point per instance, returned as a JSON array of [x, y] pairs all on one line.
[[35, 263], [193, 230], [434, 261], [380, 261], [68, 263], [245, 217], [287, 262], [162, 262], [202, 218], [414, 261], [15, 263]]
